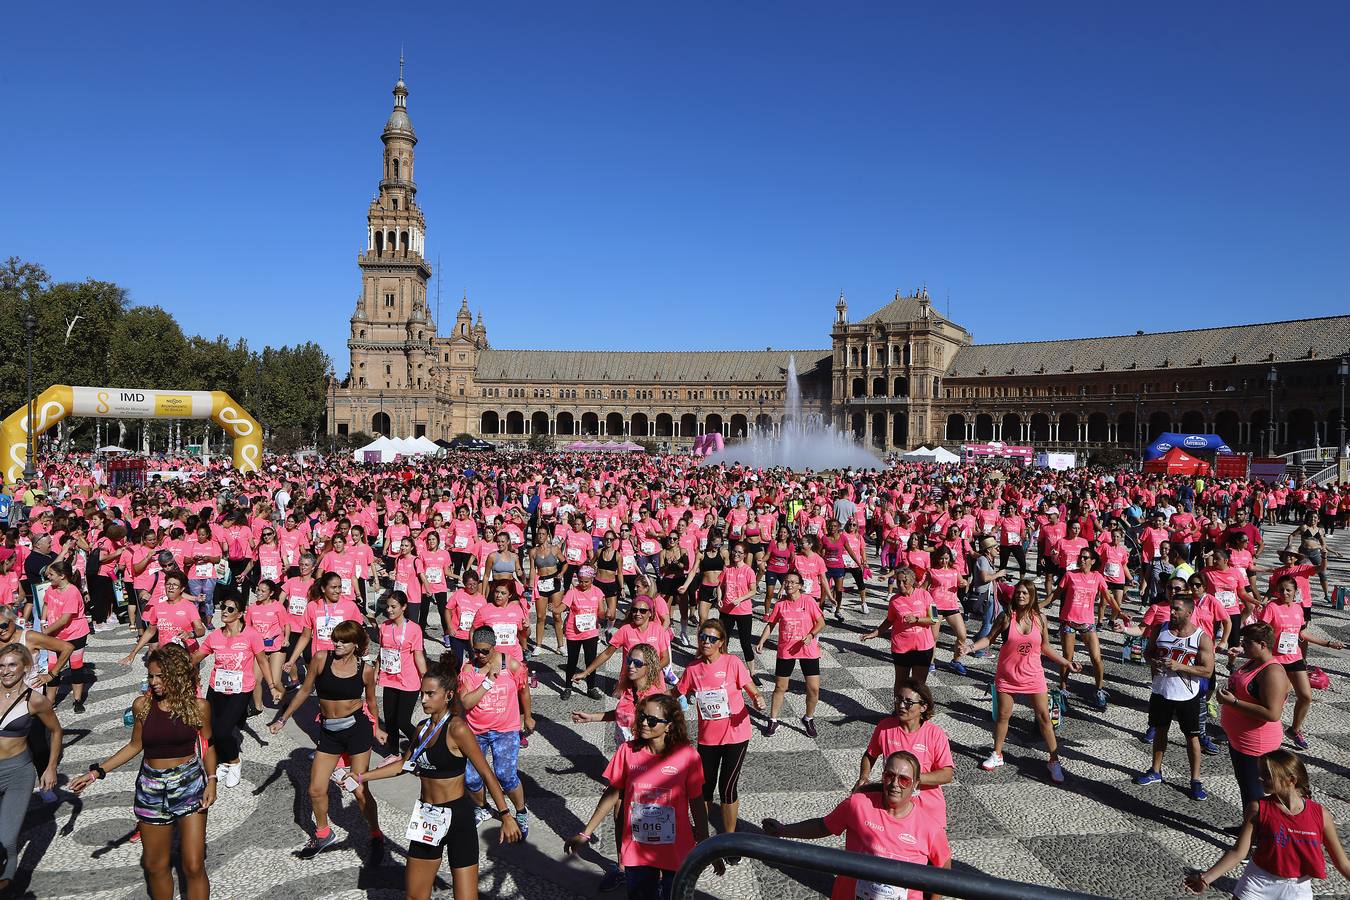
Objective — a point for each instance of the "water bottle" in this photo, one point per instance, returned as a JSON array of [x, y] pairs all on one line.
[[128, 718]]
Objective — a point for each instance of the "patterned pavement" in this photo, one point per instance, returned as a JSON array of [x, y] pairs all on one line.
[[1098, 833]]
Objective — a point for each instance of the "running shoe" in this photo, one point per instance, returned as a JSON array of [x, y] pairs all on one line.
[[253, 710], [1208, 747], [1056, 771], [481, 814], [524, 742], [1101, 699], [612, 881], [1297, 737], [523, 820], [772, 729], [810, 724], [958, 667], [1198, 792], [932, 667], [1148, 777], [317, 845], [865, 610], [979, 654], [78, 706], [993, 761], [1149, 735], [566, 693], [233, 772], [594, 693], [445, 641]]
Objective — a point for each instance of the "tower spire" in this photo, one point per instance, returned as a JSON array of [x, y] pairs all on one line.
[[400, 62]]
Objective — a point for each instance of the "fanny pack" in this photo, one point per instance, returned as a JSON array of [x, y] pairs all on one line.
[[341, 724]]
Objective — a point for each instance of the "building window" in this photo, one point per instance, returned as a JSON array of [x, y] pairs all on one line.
[[388, 299]]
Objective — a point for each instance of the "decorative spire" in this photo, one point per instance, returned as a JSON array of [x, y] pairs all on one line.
[[400, 63]]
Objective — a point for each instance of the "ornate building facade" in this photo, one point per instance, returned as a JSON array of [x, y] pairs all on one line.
[[899, 377]]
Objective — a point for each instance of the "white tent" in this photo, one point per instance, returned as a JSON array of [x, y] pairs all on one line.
[[112, 449], [943, 455], [426, 444], [919, 454], [935, 455], [381, 445]]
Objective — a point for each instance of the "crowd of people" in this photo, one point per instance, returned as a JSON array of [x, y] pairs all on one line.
[[309, 588]]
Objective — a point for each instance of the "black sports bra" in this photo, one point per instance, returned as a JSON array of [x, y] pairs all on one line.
[[17, 721], [331, 686], [436, 761]]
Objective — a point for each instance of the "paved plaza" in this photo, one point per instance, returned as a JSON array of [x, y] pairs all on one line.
[[1098, 833]]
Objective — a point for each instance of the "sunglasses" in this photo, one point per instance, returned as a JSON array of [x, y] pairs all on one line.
[[481, 651], [228, 610], [644, 610], [908, 702], [709, 638], [636, 661], [653, 721], [904, 780]]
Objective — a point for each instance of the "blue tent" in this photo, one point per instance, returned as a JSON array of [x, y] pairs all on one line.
[[1190, 442]]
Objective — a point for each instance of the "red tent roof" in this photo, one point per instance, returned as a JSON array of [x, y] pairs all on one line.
[[1176, 462]]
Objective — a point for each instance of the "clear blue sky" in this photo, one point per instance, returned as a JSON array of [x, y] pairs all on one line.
[[690, 176]]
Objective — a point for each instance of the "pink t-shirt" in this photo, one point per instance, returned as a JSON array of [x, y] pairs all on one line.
[[628, 637], [173, 620], [919, 837], [506, 622], [1079, 605], [232, 660], [435, 563], [462, 608], [499, 708], [737, 581], [942, 584], [295, 595], [812, 570], [583, 607], [63, 601], [1287, 620], [269, 620], [398, 669], [928, 742], [717, 686], [908, 637], [657, 830], [321, 617], [1224, 585], [795, 620]]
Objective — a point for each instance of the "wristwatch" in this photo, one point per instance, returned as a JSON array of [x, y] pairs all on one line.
[[98, 770]]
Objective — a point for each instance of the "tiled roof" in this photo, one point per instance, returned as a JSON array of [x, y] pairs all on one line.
[[658, 367], [1299, 339], [903, 309]]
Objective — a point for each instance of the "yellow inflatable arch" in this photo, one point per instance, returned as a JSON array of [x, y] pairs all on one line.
[[60, 400]]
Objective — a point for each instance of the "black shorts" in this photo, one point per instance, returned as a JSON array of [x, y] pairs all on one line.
[[1298, 665], [460, 843], [609, 589], [707, 593], [1307, 614], [668, 587], [783, 668], [1049, 568], [774, 578], [912, 659], [1161, 711], [753, 549], [460, 560], [1116, 585], [353, 741]]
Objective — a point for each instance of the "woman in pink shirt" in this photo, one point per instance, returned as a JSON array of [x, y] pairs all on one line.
[[716, 681], [777, 563], [800, 622], [909, 622], [809, 564], [435, 565], [582, 603], [882, 820], [406, 569], [911, 728], [735, 602], [506, 618], [1231, 588], [1284, 614], [1026, 639], [403, 665], [327, 608], [267, 615], [654, 782], [66, 621], [944, 583], [462, 609]]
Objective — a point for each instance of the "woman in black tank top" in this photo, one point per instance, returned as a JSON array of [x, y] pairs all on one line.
[[444, 815]]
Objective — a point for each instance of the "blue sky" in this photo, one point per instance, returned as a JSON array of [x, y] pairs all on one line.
[[693, 176]]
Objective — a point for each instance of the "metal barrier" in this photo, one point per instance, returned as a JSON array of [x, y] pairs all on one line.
[[801, 855]]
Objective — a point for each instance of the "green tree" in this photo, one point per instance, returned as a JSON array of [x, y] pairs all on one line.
[[148, 350]]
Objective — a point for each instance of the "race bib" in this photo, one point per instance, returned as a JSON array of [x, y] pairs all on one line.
[[465, 619], [324, 625], [713, 704], [652, 823], [461, 542], [391, 660], [1012, 538], [1112, 570], [585, 622], [401, 586], [1071, 567], [546, 586], [1227, 599], [227, 681], [574, 554], [346, 586], [808, 585], [1288, 643], [429, 824], [204, 570], [435, 575], [813, 528], [506, 634], [602, 522], [269, 573], [648, 548], [297, 604], [629, 562], [870, 890]]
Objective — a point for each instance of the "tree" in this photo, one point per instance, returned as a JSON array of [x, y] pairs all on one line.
[[540, 441], [148, 350]]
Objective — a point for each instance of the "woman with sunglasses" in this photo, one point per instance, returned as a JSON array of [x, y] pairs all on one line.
[[809, 564], [403, 664], [640, 627], [1232, 588], [1026, 639], [235, 649], [267, 560], [1287, 834], [913, 730], [582, 604], [1079, 590], [605, 562], [345, 686], [495, 693], [174, 620], [799, 621], [442, 823], [909, 623], [673, 568], [717, 680], [654, 781], [546, 582], [268, 616], [880, 820]]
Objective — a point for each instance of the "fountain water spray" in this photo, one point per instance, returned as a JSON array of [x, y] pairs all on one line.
[[804, 441]]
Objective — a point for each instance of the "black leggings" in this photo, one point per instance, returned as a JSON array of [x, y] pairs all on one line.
[[398, 712], [101, 597], [741, 625], [424, 608], [1019, 553], [228, 712], [728, 758], [574, 649]]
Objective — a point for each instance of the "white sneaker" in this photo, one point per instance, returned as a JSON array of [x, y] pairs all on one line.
[[233, 773], [865, 610], [993, 762]]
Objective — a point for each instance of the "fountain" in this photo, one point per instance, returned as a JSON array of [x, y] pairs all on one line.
[[803, 442]]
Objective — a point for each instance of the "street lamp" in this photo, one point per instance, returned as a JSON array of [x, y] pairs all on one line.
[[1271, 377], [1342, 370], [29, 322]]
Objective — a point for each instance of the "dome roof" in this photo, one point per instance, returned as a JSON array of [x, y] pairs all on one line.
[[398, 121]]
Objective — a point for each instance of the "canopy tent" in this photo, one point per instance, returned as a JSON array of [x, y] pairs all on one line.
[[465, 442], [379, 450], [1176, 462], [935, 455], [1210, 443], [111, 448]]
